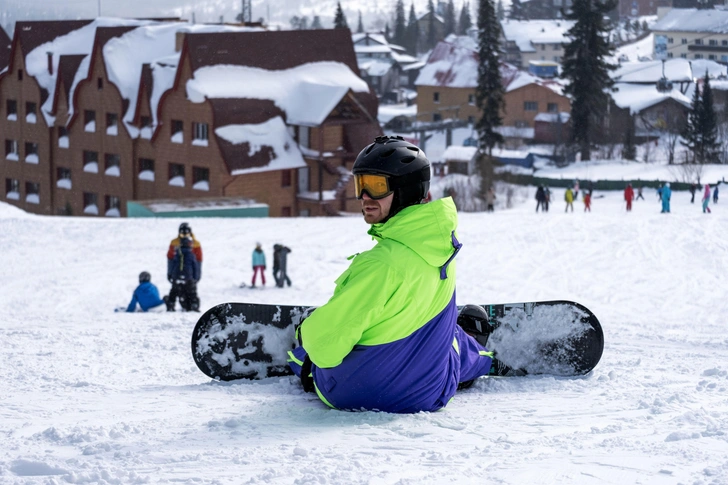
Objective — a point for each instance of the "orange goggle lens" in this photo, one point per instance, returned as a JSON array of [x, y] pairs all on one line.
[[376, 186]]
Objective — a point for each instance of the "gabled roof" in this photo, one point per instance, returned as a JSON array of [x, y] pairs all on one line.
[[272, 51], [5, 45], [35, 33], [638, 97], [67, 68]]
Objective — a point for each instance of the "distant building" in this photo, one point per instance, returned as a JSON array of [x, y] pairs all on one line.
[[693, 33], [534, 40], [124, 110]]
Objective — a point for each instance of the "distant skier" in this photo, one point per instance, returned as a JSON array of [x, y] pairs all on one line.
[[629, 196], [569, 198], [547, 198], [639, 193], [665, 194], [540, 199], [184, 275], [146, 295], [258, 264], [587, 201], [490, 200], [280, 265], [576, 189], [706, 199], [715, 193], [693, 188]]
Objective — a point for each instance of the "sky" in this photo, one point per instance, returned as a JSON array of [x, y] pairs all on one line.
[[94, 396]]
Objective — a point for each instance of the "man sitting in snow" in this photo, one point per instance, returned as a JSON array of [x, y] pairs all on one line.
[[388, 338]]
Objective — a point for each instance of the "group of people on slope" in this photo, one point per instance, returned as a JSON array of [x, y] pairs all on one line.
[[543, 197], [706, 196], [280, 265]]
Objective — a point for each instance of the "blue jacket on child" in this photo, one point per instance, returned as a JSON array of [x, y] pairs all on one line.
[[184, 265], [147, 295]]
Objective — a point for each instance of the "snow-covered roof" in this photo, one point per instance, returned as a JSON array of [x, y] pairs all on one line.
[[372, 49], [306, 93], [638, 97], [360, 38], [450, 64], [272, 136], [526, 33], [374, 67], [459, 153], [693, 20], [77, 42], [562, 117]]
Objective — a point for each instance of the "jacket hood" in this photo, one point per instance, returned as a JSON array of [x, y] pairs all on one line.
[[427, 229]]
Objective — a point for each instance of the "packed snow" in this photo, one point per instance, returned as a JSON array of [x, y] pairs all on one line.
[[94, 396]]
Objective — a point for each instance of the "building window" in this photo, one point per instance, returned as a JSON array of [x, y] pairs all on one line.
[[724, 43], [683, 41], [112, 164], [698, 41], [31, 152], [669, 55], [471, 120], [90, 203], [200, 178], [112, 124], [62, 137], [146, 169], [178, 135], [285, 211], [11, 150], [90, 161], [530, 105], [698, 56], [436, 97], [12, 189], [12, 108], [670, 40], [99, 83], [711, 57], [63, 178], [304, 136], [199, 134], [89, 120], [113, 206], [712, 42], [471, 99], [683, 56], [31, 110], [32, 193], [723, 58], [20, 74], [543, 47], [177, 174], [285, 178], [146, 127], [436, 117], [552, 107]]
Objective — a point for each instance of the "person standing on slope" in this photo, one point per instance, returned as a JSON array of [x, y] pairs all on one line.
[[706, 199], [388, 338], [629, 196], [185, 231], [258, 264], [665, 195], [569, 198]]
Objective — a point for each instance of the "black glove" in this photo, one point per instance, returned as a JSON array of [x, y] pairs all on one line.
[[306, 377]]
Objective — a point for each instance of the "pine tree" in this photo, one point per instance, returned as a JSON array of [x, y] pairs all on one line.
[[316, 24], [360, 25], [691, 133], [431, 32], [516, 11], [340, 18], [500, 11], [586, 69], [701, 130], [489, 95], [400, 27], [629, 150], [450, 21], [465, 21], [412, 43]]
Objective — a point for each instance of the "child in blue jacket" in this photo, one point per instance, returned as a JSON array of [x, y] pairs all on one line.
[[146, 294]]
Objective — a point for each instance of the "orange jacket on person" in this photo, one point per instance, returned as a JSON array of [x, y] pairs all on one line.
[[196, 248], [628, 193]]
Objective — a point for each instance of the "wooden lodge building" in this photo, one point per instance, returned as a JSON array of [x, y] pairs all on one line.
[[81, 140]]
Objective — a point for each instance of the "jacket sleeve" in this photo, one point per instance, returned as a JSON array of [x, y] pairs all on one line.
[[132, 305], [332, 330]]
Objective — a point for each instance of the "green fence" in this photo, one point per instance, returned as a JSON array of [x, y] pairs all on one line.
[[521, 179]]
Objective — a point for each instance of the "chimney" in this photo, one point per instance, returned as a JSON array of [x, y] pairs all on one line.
[[50, 62]]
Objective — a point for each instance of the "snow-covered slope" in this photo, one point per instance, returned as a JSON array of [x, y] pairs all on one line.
[[93, 396]]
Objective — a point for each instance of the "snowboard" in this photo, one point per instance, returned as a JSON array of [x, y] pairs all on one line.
[[251, 341]]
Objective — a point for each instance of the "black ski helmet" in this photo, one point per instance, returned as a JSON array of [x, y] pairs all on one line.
[[406, 165], [185, 228], [474, 319], [144, 277]]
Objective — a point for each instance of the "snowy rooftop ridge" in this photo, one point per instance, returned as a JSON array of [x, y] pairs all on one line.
[[693, 20], [306, 93], [637, 97]]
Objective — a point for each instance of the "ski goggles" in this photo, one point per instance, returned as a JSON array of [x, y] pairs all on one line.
[[375, 185]]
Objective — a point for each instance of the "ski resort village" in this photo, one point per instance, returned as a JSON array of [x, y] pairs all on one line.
[[386, 242]]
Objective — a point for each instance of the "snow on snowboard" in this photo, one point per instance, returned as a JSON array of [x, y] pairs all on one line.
[[251, 341]]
